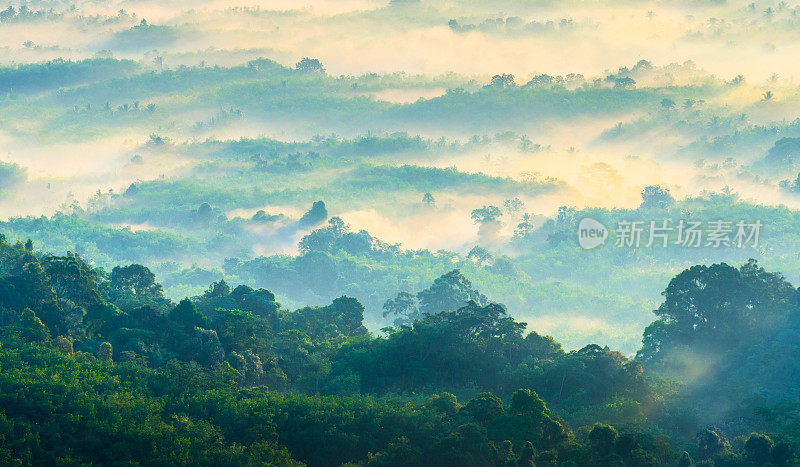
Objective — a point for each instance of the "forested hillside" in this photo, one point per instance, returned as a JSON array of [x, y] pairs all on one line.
[[98, 367], [400, 233]]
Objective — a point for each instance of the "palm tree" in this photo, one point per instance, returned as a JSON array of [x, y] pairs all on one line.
[[525, 143]]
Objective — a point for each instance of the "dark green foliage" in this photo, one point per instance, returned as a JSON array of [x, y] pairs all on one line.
[[135, 283], [484, 408], [113, 371], [186, 316], [758, 449], [336, 237], [713, 306], [449, 292], [727, 324]]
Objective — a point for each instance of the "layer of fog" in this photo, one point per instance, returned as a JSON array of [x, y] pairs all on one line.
[[358, 36]]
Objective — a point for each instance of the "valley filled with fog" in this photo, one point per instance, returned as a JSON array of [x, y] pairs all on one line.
[[400, 232]]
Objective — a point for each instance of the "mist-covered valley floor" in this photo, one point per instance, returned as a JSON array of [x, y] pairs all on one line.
[[127, 118], [398, 152]]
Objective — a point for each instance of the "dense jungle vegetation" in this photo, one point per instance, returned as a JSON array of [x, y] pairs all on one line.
[[99, 367]]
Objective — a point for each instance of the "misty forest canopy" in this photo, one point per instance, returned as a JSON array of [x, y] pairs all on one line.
[[348, 233]]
